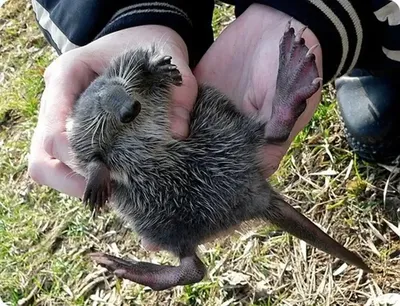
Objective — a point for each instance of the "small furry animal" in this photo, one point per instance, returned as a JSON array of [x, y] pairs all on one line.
[[177, 194]]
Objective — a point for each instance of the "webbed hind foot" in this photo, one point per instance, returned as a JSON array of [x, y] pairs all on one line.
[[296, 82], [158, 277]]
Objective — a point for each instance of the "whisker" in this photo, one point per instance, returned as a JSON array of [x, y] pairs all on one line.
[[87, 121], [131, 86], [89, 128], [101, 135], [95, 131], [133, 73], [160, 44], [130, 68], [71, 174], [127, 67], [121, 68], [111, 122]]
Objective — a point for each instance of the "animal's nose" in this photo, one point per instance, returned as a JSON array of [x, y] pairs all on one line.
[[129, 111]]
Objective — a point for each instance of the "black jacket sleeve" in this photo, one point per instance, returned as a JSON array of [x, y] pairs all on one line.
[[68, 24], [352, 33]]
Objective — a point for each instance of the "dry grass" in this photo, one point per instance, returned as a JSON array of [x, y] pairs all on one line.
[[44, 235]]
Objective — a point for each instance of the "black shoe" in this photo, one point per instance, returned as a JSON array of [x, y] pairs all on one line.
[[370, 109]]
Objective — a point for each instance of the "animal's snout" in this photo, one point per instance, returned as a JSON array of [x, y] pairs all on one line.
[[129, 111]]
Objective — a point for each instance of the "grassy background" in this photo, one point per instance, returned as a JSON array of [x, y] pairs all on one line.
[[44, 235]]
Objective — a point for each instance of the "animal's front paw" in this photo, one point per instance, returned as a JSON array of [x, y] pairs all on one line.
[[98, 188], [166, 71]]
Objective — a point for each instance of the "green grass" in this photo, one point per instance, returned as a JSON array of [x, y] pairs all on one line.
[[44, 235]]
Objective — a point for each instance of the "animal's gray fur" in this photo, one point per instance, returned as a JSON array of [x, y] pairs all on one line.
[[175, 193], [179, 193]]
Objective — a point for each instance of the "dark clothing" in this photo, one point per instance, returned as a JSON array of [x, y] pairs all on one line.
[[352, 33]]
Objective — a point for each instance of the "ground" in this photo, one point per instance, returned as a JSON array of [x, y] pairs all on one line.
[[44, 235]]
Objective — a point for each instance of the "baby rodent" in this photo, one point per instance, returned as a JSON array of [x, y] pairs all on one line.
[[177, 194]]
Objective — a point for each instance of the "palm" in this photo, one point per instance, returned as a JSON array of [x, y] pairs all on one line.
[[243, 70]]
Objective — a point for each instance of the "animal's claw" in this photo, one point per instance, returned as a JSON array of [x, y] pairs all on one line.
[[169, 71], [98, 189]]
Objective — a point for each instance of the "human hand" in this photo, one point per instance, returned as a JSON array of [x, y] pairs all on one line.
[[243, 64], [71, 73]]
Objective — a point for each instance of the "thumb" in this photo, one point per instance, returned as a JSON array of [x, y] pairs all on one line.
[[183, 99]]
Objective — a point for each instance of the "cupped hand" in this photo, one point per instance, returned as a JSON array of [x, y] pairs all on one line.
[[71, 73], [243, 64]]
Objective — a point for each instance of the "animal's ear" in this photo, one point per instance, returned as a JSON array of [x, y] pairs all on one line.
[[289, 219], [129, 111]]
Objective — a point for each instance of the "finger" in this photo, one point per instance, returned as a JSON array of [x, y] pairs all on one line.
[[67, 181], [54, 174], [65, 80], [44, 168], [48, 171], [50, 141], [183, 99], [56, 145]]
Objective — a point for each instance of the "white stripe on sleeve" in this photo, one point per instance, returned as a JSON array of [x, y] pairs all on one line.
[[59, 38]]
